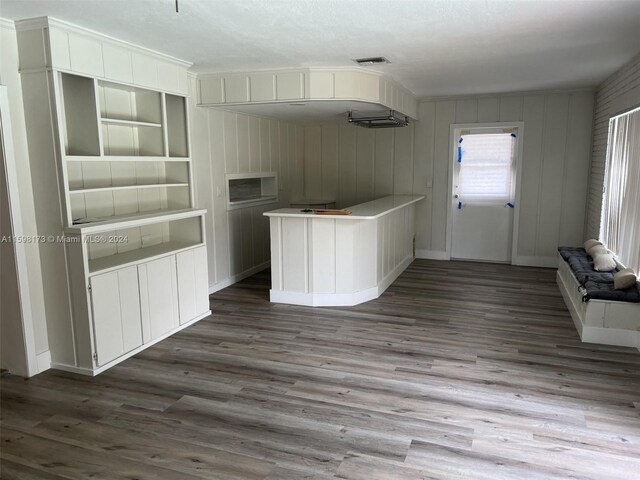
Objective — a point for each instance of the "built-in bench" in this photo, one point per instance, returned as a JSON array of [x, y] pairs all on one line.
[[601, 313]]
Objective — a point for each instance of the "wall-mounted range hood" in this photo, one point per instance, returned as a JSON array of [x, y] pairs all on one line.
[[392, 119]]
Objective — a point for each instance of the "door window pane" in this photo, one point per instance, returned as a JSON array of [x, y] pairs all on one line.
[[486, 167]]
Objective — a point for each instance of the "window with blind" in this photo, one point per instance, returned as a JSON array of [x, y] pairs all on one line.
[[620, 221], [487, 162]]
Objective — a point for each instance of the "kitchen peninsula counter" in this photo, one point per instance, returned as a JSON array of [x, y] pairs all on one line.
[[329, 260]]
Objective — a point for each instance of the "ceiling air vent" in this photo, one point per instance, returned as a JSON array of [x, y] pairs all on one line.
[[371, 61], [389, 120]]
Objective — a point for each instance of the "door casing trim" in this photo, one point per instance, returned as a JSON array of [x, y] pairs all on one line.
[[453, 149]]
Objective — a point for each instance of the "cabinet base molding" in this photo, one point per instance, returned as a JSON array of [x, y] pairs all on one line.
[[339, 299], [92, 372]]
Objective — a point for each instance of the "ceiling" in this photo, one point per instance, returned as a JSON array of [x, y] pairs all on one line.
[[455, 47]]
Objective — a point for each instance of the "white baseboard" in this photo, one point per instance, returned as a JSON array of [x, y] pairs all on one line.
[[536, 261], [323, 299], [95, 371], [227, 282], [432, 254], [43, 361]]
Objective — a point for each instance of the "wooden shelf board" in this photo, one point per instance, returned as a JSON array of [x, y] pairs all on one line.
[[253, 199], [123, 158], [127, 187], [133, 219], [119, 260], [130, 123]]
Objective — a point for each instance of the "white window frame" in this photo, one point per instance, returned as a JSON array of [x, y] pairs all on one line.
[[635, 243]]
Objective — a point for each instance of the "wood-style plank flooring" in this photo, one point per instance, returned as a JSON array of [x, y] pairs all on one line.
[[459, 371]]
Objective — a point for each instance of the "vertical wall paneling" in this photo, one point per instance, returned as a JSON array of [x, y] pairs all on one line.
[[231, 144], [329, 147], [488, 109], [533, 116], [416, 159], [264, 162], [577, 157], [445, 116], [511, 108], [424, 135], [467, 110], [255, 146], [297, 162], [312, 162], [347, 165], [244, 141], [365, 142], [553, 151], [403, 160], [204, 187], [227, 142], [383, 163]]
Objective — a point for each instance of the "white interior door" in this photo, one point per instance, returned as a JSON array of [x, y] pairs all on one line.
[[484, 184]]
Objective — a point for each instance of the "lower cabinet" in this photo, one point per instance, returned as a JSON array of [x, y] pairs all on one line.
[[158, 297], [116, 313], [193, 283], [134, 305]]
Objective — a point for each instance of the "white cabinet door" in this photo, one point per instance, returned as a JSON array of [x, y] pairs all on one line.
[[158, 297], [193, 283], [117, 326]]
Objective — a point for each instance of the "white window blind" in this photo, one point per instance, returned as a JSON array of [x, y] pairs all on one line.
[[486, 167], [620, 223]]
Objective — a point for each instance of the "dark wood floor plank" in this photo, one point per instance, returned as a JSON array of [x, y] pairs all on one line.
[[146, 448], [459, 370]]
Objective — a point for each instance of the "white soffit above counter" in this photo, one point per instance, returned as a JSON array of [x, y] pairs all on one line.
[[306, 94], [435, 47]]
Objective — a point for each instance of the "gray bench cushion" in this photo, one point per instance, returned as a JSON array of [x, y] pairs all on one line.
[[594, 284]]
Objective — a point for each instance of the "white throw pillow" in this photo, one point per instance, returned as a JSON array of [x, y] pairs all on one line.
[[598, 250], [592, 242], [624, 279], [604, 262]]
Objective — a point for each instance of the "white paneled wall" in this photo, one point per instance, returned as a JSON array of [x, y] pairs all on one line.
[[228, 142], [10, 77], [620, 92], [353, 165]]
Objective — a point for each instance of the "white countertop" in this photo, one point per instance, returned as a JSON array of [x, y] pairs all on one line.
[[364, 211]]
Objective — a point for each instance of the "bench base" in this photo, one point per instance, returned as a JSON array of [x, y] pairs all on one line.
[[599, 321]]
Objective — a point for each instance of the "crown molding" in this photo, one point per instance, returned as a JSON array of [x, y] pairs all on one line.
[[6, 23], [46, 22], [505, 94]]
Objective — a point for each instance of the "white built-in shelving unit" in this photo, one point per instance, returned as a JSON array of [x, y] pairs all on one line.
[[134, 248]]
